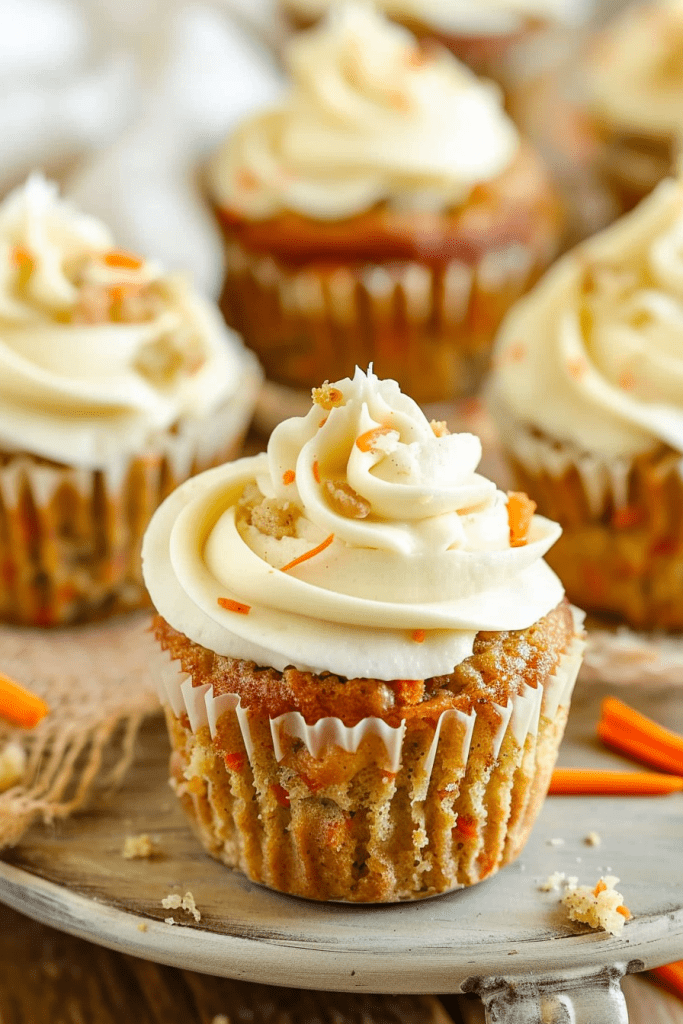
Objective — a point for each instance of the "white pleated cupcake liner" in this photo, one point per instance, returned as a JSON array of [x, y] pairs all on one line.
[[520, 715]]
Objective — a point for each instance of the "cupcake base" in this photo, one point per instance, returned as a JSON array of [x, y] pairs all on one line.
[[400, 807], [70, 538]]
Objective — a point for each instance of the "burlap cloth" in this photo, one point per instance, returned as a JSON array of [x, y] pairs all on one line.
[[97, 682]]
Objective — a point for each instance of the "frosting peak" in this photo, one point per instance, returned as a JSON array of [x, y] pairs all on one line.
[[371, 117], [363, 543], [99, 349]]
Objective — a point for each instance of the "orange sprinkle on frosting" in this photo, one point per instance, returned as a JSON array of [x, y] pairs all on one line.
[[367, 441], [520, 514], [309, 554], [419, 636], [122, 260], [316, 472], [21, 257], [234, 606], [288, 477]]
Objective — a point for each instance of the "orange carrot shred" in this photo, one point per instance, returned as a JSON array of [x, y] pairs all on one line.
[[309, 554], [596, 782], [467, 827], [234, 606], [627, 380], [670, 976], [316, 472], [21, 257], [627, 516], [639, 737], [419, 636], [19, 706], [624, 911], [323, 421], [577, 367], [122, 260], [520, 514], [288, 477], [234, 761], [366, 441], [280, 794], [600, 887]]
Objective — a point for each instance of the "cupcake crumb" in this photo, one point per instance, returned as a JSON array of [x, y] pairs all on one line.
[[142, 927], [558, 879], [327, 396], [555, 842], [139, 847], [598, 907], [169, 920], [439, 428], [593, 839], [174, 901]]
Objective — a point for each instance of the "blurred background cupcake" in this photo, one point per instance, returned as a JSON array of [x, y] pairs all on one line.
[[588, 393], [117, 381], [387, 210], [631, 86]]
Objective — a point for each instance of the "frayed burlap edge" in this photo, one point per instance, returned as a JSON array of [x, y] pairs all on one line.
[[96, 680]]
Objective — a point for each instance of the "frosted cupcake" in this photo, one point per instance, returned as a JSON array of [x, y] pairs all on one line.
[[386, 211], [588, 389], [368, 664], [482, 33], [633, 85], [117, 382]]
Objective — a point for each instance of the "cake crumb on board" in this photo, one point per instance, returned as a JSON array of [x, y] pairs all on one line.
[[592, 839], [557, 879], [598, 907], [139, 847], [174, 901]]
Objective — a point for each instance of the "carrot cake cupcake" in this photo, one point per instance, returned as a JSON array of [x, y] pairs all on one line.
[[633, 86], [117, 381], [588, 391], [482, 33], [367, 664], [387, 210]]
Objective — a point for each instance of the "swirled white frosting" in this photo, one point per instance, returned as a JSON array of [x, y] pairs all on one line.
[[466, 17], [634, 78], [370, 117], [99, 351], [593, 355], [406, 576]]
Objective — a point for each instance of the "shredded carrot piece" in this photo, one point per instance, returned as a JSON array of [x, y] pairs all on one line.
[[577, 367], [323, 421], [313, 784], [280, 794], [316, 472], [122, 260], [408, 691], [234, 761], [366, 441], [234, 606], [467, 827], [19, 706], [600, 887], [288, 477], [639, 737], [627, 516], [309, 554], [627, 380], [419, 636], [624, 911], [590, 781], [21, 257], [520, 514], [671, 977]]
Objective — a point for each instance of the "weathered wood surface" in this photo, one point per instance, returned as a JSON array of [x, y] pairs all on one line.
[[73, 876]]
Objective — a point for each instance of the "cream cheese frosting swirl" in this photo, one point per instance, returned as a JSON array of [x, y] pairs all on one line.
[[371, 117], [100, 350], [466, 17], [593, 355], [635, 76], [360, 544]]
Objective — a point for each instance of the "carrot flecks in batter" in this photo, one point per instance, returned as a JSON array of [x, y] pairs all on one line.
[[309, 554], [418, 636], [234, 606]]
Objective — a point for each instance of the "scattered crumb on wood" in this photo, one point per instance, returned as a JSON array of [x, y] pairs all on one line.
[[12, 765], [593, 839], [174, 901], [557, 879], [555, 842], [169, 920], [139, 847], [598, 907], [142, 927]]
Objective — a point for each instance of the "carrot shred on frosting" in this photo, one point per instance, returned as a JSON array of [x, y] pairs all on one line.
[[599, 782], [121, 259], [21, 256], [309, 554], [520, 514], [316, 472], [234, 606], [18, 705], [419, 636], [289, 476], [366, 442], [636, 735]]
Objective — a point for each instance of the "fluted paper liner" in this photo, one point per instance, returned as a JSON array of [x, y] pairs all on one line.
[[438, 805], [429, 328], [70, 538]]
